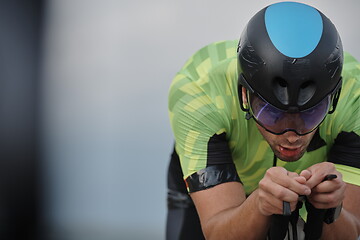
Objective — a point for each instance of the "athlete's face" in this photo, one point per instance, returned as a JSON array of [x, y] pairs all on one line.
[[289, 146]]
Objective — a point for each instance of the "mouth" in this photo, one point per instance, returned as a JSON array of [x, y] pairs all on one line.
[[289, 152]]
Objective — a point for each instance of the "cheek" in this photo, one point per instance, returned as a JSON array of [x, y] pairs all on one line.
[[308, 137], [307, 141], [269, 137]]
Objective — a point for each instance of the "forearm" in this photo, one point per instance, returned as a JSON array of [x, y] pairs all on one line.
[[346, 227], [241, 222]]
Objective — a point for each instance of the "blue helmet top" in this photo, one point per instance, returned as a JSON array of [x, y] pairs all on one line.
[[295, 29]]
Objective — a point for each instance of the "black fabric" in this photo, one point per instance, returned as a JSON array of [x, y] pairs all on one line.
[[177, 199], [218, 151], [212, 176], [316, 142], [175, 174], [182, 218], [183, 224], [346, 150], [279, 225], [314, 222]]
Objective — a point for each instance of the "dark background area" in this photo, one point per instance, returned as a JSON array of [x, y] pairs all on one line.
[[20, 178]]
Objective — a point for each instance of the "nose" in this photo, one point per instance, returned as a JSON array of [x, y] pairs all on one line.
[[293, 121], [291, 137]]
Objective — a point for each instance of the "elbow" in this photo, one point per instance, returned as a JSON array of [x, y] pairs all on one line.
[[212, 230], [208, 231], [216, 228]]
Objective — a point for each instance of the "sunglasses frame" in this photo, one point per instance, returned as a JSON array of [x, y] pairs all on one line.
[[334, 98]]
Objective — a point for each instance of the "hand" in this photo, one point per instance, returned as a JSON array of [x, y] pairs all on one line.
[[324, 194], [279, 185]]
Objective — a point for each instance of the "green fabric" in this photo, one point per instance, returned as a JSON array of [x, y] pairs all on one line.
[[350, 174], [203, 101]]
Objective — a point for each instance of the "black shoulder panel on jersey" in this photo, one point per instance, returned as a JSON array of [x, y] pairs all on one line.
[[219, 169], [346, 150], [218, 151], [316, 142], [212, 176]]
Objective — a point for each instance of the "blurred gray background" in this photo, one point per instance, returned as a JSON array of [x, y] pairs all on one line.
[[107, 69]]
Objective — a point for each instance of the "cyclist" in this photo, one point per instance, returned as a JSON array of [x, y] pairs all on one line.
[[255, 128]]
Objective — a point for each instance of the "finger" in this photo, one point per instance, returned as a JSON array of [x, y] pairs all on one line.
[[268, 204], [328, 186], [300, 179], [278, 205], [319, 205], [306, 174], [326, 200], [277, 191], [319, 172], [297, 177], [292, 174], [291, 184]]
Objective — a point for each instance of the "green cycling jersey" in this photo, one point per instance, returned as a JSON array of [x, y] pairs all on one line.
[[204, 104]]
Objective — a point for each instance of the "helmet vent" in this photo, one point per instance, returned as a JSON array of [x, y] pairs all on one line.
[[281, 90], [306, 92]]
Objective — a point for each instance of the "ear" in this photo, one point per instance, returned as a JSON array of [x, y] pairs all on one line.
[[243, 99], [244, 96]]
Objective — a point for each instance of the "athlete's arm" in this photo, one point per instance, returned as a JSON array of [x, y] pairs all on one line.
[[226, 213], [329, 194], [347, 226]]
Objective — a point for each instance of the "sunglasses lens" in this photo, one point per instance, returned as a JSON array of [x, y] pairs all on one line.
[[278, 121]]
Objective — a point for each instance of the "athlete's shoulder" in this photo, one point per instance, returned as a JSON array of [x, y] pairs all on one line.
[[208, 63], [208, 57], [346, 117], [220, 49], [351, 66], [350, 74], [348, 58]]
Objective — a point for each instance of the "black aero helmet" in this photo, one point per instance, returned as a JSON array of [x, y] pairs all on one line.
[[290, 54]]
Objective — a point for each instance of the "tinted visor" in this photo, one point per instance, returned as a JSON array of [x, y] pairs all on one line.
[[279, 121]]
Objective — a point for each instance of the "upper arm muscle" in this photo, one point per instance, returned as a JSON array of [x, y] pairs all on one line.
[[352, 200], [212, 201]]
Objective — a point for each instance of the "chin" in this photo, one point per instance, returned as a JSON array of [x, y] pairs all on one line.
[[289, 159]]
